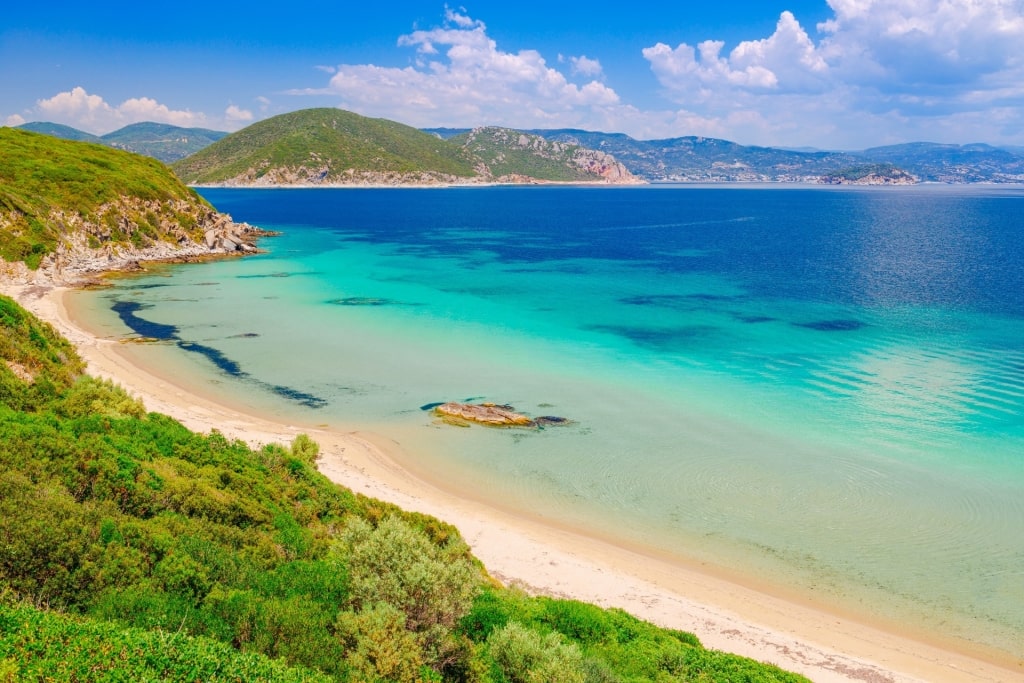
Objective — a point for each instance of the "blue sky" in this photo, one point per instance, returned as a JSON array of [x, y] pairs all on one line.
[[837, 74]]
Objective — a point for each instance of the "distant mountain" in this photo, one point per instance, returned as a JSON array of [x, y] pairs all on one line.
[[158, 140], [58, 130], [333, 146], [161, 141], [700, 159], [935, 162]]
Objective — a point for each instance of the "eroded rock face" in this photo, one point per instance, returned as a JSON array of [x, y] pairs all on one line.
[[492, 415]]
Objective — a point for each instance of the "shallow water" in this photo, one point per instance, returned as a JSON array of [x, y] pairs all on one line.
[[822, 387]]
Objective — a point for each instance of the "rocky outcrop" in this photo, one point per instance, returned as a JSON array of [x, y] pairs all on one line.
[[491, 415], [121, 235]]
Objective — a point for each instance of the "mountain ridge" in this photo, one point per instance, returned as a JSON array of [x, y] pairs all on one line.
[[679, 159]]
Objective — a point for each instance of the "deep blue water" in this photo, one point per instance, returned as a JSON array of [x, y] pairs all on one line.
[[821, 385]]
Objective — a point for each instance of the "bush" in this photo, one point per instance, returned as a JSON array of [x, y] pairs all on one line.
[[527, 657], [431, 586]]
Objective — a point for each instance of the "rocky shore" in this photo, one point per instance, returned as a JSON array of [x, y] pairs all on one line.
[[129, 232]]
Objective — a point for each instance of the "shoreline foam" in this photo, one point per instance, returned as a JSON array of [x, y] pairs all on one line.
[[545, 558]]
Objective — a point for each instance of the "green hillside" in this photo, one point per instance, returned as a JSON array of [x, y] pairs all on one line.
[[322, 145], [50, 187], [134, 549]]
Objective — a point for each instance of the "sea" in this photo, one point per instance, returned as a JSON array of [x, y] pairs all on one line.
[[818, 387]]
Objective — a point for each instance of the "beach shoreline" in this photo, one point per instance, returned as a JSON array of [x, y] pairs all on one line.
[[544, 558]]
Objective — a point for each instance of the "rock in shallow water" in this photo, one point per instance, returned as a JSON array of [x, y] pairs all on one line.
[[492, 415]]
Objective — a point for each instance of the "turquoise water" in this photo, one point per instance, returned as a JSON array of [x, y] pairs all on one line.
[[820, 387]]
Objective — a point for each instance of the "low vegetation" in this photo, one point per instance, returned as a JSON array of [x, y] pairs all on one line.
[[134, 549]]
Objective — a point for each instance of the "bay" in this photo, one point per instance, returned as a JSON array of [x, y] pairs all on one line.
[[819, 387]]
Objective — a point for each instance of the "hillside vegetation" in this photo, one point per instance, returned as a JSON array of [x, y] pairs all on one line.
[[324, 145], [60, 195], [134, 549]]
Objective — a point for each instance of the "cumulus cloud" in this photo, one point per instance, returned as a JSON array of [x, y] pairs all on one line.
[[876, 71], [92, 113], [460, 77], [14, 120], [786, 61]]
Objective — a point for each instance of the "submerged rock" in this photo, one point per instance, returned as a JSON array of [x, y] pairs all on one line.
[[490, 414]]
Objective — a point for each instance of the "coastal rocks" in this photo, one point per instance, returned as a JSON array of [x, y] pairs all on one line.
[[491, 415], [122, 234]]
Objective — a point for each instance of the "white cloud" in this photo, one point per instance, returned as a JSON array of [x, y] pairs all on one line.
[[786, 61], [234, 113], [923, 44], [460, 77], [14, 120], [92, 113], [879, 71], [584, 66]]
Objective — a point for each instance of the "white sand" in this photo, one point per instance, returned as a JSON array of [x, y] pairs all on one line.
[[725, 615]]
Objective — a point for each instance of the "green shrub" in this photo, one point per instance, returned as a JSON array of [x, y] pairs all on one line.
[[525, 656]]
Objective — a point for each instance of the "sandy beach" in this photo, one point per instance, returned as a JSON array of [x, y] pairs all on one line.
[[789, 631]]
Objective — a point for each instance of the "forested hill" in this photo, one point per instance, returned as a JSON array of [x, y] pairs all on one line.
[[134, 549]]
